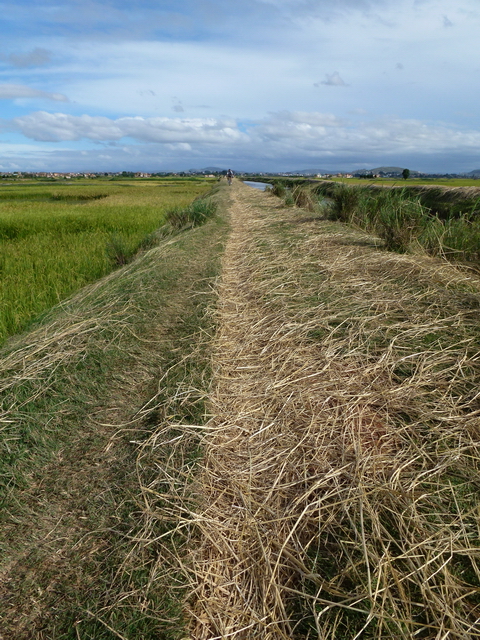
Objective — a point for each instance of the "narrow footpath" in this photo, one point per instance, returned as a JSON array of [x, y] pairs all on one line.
[[266, 427], [345, 399]]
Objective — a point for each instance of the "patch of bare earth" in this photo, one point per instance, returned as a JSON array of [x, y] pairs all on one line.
[[338, 495]]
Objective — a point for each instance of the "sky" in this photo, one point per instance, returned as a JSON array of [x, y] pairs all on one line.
[[255, 85]]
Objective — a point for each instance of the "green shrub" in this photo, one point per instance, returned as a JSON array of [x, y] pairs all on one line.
[[194, 215], [279, 189]]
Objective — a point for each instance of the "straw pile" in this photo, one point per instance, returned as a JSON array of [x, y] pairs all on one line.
[[338, 492]]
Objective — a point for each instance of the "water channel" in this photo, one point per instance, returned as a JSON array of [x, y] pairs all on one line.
[[257, 185]]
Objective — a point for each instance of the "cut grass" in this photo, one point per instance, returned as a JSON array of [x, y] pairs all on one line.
[[338, 495]]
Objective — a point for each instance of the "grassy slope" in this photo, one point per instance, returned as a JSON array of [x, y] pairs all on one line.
[[71, 427]]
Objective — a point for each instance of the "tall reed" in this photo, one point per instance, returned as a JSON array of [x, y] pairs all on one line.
[[403, 222]]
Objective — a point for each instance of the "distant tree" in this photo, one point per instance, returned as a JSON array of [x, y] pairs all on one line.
[[405, 174]]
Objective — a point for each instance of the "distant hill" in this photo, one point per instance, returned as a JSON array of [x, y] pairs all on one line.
[[310, 172], [207, 170], [475, 173], [212, 170], [394, 170]]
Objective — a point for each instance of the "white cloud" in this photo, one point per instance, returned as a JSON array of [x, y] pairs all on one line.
[[332, 79], [16, 91], [297, 140], [281, 140], [297, 125], [54, 127]]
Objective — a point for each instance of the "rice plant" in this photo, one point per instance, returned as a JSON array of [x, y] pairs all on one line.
[[54, 242]]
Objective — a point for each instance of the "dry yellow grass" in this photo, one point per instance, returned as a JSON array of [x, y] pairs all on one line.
[[338, 492]]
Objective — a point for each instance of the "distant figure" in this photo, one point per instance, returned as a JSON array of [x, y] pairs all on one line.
[[229, 176]]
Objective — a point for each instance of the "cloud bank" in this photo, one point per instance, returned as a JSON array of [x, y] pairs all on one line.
[[285, 84], [285, 138], [55, 127]]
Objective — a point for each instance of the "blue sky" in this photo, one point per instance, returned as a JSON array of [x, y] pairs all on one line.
[[268, 85]]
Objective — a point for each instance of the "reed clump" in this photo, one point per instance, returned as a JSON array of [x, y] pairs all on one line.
[[401, 217]]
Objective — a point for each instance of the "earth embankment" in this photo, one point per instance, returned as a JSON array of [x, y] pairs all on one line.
[[290, 450], [338, 489]]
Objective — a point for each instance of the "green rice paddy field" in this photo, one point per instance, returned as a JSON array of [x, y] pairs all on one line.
[[57, 237]]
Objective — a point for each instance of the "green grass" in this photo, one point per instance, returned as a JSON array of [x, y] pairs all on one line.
[[80, 396], [55, 239], [405, 222]]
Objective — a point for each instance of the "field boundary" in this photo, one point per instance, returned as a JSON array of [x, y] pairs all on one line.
[[345, 401]]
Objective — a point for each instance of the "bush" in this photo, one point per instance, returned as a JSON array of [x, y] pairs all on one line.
[[279, 189], [194, 215]]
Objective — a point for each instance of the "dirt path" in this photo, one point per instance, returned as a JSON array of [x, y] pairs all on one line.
[[330, 359]]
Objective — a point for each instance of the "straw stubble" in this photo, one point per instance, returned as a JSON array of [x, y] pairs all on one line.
[[338, 492]]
